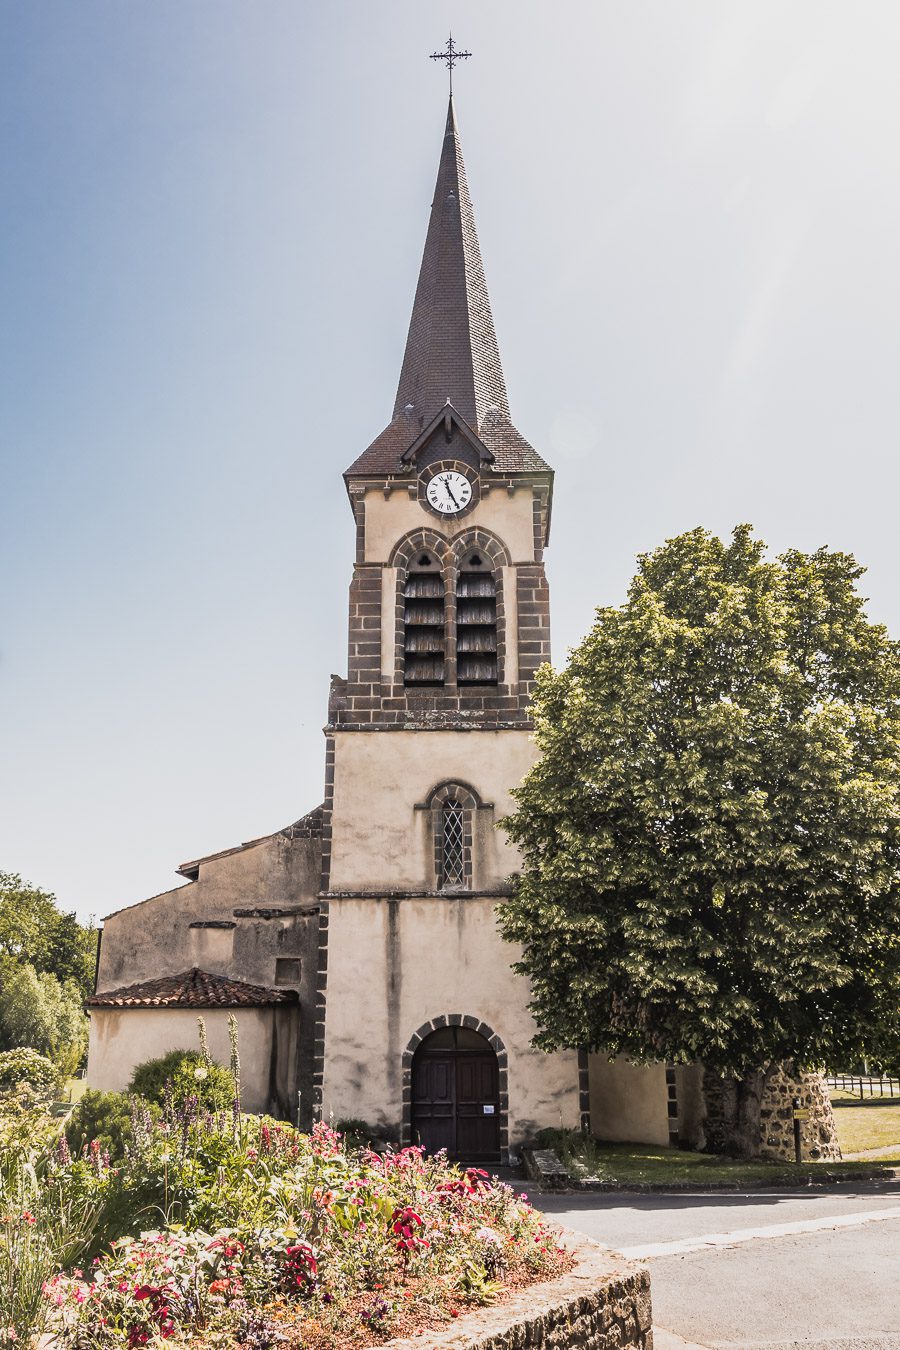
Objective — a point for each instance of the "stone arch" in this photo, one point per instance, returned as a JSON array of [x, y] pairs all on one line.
[[422, 540], [490, 544], [496, 1044], [454, 789]]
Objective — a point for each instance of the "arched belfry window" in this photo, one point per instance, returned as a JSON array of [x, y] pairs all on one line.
[[424, 629], [476, 622]]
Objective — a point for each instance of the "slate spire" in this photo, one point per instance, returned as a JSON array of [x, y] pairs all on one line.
[[451, 350]]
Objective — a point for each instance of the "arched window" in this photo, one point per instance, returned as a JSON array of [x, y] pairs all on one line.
[[453, 851], [423, 623], [476, 622], [452, 808]]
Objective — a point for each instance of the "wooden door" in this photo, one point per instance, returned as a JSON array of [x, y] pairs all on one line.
[[456, 1097], [434, 1102]]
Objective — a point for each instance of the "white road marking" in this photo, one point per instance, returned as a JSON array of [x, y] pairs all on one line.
[[774, 1230]]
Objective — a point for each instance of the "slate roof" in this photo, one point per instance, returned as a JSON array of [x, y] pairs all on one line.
[[193, 988], [509, 448], [451, 350]]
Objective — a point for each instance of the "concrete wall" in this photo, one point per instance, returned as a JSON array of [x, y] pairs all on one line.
[[380, 841], [122, 1038], [393, 965], [628, 1101]]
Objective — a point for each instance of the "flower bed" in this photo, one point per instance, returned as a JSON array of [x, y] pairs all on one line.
[[225, 1230]]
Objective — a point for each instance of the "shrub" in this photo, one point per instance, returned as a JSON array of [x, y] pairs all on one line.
[[104, 1116], [191, 1075], [27, 1066]]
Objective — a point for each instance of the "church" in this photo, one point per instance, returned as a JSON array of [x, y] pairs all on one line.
[[357, 947]]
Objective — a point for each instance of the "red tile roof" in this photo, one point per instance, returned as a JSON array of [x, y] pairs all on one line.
[[191, 989]]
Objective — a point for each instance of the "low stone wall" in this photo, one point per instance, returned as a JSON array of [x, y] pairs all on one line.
[[817, 1134], [599, 1305]]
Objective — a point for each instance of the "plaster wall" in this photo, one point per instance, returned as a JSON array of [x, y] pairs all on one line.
[[380, 841], [395, 964], [389, 582], [508, 515], [122, 1038], [691, 1106], [510, 671], [628, 1101], [156, 938]]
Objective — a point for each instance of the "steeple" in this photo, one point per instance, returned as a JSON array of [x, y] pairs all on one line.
[[451, 351]]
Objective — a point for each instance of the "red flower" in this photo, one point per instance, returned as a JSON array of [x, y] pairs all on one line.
[[300, 1266], [404, 1224]]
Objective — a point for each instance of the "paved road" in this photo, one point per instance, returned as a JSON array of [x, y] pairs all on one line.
[[780, 1270]]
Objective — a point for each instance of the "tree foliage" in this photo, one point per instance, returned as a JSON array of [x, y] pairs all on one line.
[[34, 930], [27, 1066], [39, 1012], [711, 837]]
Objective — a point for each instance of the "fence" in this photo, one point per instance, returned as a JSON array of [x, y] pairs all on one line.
[[863, 1086]]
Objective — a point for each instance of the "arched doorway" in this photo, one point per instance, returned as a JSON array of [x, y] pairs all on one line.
[[456, 1095]]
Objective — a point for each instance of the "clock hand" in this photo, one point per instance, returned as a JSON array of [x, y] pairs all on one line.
[[450, 494]]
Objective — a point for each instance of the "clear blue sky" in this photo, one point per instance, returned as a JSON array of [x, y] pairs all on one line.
[[211, 217]]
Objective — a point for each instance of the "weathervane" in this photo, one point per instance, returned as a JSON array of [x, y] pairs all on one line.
[[450, 55]]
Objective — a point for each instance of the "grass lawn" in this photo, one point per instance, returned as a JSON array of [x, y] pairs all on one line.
[[636, 1163], [873, 1123]]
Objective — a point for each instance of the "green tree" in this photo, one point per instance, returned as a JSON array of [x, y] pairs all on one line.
[[33, 929], [38, 1011], [711, 837]]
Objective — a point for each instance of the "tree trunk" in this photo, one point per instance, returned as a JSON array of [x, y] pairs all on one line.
[[743, 1104]]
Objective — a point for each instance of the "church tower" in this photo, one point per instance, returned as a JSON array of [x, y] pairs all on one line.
[[422, 1027], [357, 948]]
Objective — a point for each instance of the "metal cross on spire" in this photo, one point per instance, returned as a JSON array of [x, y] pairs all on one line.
[[450, 55]]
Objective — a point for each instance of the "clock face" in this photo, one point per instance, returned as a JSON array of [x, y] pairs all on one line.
[[449, 492]]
